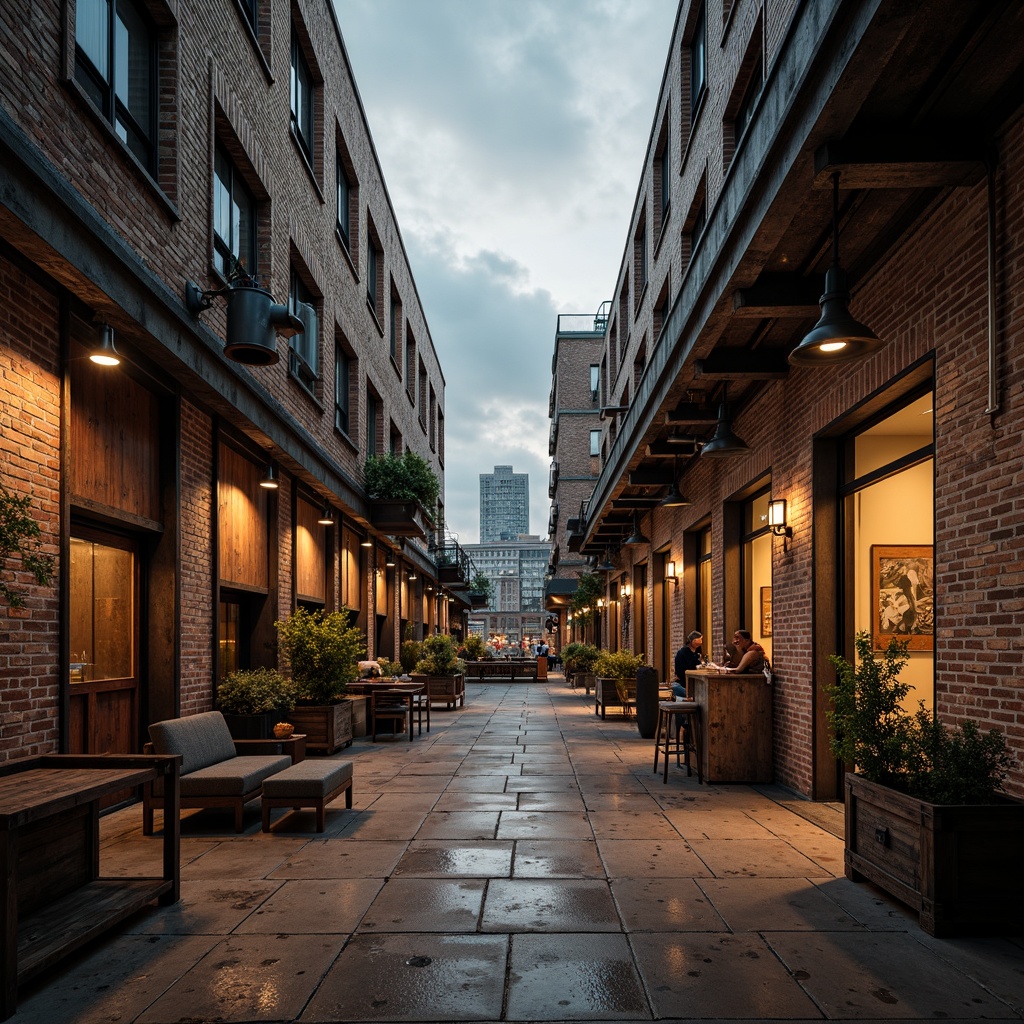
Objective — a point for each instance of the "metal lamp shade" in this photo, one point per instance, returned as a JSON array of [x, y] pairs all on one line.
[[724, 442], [837, 337]]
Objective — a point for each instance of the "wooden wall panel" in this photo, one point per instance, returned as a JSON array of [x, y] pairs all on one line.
[[310, 578], [114, 440], [352, 584], [241, 522]]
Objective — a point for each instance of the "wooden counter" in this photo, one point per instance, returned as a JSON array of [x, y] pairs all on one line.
[[737, 714], [50, 885]]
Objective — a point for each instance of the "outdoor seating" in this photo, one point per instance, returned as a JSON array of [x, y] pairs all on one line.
[[679, 731], [213, 771], [308, 784], [391, 705]]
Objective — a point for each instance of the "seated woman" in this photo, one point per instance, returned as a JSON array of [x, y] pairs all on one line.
[[687, 657], [751, 656]]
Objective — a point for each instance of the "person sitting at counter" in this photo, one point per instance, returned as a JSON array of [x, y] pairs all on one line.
[[751, 655], [687, 657]]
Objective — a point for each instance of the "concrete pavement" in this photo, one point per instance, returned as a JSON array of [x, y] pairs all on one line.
[[522, 862]]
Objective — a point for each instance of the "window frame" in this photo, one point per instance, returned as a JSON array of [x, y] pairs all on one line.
[[300, 69], [300, 369], [226, 252]]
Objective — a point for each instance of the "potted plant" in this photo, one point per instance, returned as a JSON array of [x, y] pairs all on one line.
[[480, 590], [474, 647], [440, 669], [403, 492], [925, 820], [323, 652], [616, 680], [579, 660], [254, 700], [410, 651]]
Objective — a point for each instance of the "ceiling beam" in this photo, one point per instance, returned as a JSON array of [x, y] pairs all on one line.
[[667, 450], [651, 476], [778, 295], [741, 364], [638, 502], [691, 414], [899, 162]]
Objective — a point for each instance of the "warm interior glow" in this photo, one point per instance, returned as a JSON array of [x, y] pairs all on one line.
[[832, 346]]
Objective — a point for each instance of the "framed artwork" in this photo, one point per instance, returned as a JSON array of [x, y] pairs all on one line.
[[766, 611], [902, 591]]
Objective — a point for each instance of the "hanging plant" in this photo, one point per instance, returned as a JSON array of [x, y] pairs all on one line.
[[20, 542]]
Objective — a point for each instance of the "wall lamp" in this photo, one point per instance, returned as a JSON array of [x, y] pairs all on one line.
[[670, 574], [254, 319], [777, 518], [270, 481], [412, 577], [624, 591], [327, 516], [105, 354]]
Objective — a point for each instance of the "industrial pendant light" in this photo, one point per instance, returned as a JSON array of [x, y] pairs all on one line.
[[836, 337], [674, 498], [636, 537], [327, 516], [724, 442], [606, 565], [105, 354]]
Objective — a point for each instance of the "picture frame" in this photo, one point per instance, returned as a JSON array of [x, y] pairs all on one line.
[[902, 595], [766, 612]]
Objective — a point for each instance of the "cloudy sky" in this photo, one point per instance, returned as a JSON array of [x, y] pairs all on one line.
[[512, 135]]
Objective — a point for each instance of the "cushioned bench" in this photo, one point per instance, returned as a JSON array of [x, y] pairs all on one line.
[[213, 774], [308, 784]]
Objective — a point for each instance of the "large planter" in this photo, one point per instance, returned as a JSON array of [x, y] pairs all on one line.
[[606, 695], [960, 867], [447, 690], [399, 517], [477, 599], [451, 575], [647, 702], [254, 727], [328, 727]]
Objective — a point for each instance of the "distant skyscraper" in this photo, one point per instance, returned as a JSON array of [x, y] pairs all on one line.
[[504, 505]]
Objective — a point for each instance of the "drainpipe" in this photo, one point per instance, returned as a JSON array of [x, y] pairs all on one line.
[[993, 386]]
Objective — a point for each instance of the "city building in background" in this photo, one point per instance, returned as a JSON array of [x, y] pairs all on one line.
[[516, 569], [504, 505]]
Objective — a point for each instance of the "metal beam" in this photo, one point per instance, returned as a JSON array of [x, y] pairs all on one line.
[[778, 295], [740, 364]]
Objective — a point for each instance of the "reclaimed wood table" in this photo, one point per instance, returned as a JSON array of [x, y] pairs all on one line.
[[54, 899]]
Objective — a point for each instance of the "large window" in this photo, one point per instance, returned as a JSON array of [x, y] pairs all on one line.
[[304, 348], [302, 100], [595, 442], [756, 573], [343, 367], [344, 204], [116, 65], [234, 217]]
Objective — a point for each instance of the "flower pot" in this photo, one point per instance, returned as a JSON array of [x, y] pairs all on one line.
[[959, 866], [399, 517]]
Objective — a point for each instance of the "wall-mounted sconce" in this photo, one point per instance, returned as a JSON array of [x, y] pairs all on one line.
[[105, 354], [670, 574], [600, 602], [777, 518], [327, 516], [836, 337], [412, 577], [366, 542], [270, 481], [624, 592], [254, 319]]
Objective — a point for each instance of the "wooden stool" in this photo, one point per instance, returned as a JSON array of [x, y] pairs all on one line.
[[673, 717]]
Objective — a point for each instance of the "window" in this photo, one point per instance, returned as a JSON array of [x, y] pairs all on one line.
[[372, 422], [374, 273], [595, 381], [251, 14], [395, 444], [304, 348], [302, 100], [234, 217], [661, 310], [662, 181], [116, 65], [423, 396], [639, 264], [695, 224], [410, 365], [699, 58], [595, 442], [395, 328], [344, 204], [343, 376], [751, 94], [432, 414], [440, 437]]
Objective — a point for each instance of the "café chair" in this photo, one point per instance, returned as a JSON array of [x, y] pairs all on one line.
[[390, 706]]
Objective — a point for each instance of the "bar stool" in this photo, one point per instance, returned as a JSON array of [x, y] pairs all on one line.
[[679, 718]]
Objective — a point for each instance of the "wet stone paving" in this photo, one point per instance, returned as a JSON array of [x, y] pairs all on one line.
[[521, 862]]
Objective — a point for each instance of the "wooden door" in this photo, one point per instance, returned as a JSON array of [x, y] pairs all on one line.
[[103, 643]]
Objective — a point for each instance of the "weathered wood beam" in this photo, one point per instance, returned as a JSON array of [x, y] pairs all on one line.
[[898, 162], [739, 364], [779, 295], [651, 476], [691, 414]]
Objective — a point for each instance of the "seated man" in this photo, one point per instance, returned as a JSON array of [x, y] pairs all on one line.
[[687, 657], [751, 655]]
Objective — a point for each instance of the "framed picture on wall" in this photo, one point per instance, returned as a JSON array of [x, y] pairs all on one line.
[[902, 588], [766, 611]]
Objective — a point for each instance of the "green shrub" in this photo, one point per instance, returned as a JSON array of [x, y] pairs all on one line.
[[323, 652], [439, 655], [389, 668], [914, 753], [618, 664], [474, 647], [579, 657], [21, 541], [410, 652], [255, 691], [407, 477]]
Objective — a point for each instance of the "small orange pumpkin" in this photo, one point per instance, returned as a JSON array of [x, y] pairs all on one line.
[[283, 730]]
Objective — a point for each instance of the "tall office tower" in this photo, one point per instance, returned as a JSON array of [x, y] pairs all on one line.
[[504, 505]]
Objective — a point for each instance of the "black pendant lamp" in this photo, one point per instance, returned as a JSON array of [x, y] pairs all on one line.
[[636, 537], [724, 442], [674, 498], [606, 565], [836, 337]]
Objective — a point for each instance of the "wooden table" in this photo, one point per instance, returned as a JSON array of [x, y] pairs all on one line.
[[401, 687], [737, 719], [53, 896]]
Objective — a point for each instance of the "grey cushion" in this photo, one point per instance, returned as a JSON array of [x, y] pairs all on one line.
[[309, 779], [201, 740], [234, 777]]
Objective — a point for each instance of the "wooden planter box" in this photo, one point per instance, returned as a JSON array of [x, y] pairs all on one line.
[[399, 518], [451, 575], [328, 727], [477, 599], [960, 867], [360, 714], [254, 727], [447, 690], [606, 695]]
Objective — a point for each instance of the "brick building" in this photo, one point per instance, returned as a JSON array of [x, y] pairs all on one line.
[[137, 156], [790, 139]]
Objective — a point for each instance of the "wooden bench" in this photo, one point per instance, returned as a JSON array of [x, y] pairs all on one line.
[[307, 784], [516, 668]]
